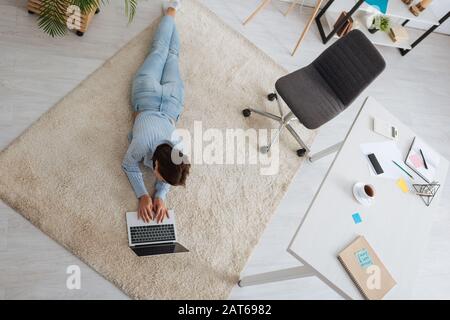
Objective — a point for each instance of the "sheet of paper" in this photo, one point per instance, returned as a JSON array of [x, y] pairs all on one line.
[[386, 152], [402, 185], [415, 159]]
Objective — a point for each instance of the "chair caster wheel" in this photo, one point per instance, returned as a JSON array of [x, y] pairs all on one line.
[[272, 96], [246, 112], [79, 33], [97, 11], [301, 152], [30, 12], [264, 149]]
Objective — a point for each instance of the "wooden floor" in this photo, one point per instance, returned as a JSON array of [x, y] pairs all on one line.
[[36, 71]]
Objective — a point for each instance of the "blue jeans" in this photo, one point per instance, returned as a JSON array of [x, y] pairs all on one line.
[[157, 85]]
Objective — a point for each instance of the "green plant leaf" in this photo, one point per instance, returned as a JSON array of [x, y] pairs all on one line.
[[86, 6], [52, 17], [130, 9], [385, 23]]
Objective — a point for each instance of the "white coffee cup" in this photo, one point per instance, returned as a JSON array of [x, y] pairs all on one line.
[[364, 193]]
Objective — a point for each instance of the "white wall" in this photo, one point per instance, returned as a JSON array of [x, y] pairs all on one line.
[[439, 7]]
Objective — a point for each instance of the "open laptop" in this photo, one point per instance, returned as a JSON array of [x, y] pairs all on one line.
[[148, 239]]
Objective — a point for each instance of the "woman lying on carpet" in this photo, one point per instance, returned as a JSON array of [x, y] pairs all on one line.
[[157, 100]]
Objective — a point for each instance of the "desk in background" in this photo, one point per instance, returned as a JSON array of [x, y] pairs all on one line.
[[397, 224]]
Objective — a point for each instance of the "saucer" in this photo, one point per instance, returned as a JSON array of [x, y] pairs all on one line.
[[364, 201]]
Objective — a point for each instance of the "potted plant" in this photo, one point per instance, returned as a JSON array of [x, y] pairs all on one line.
[[379, 22], [385, 24], [53, 13]]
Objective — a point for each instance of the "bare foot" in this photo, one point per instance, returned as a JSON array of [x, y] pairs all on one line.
[[171, 12]]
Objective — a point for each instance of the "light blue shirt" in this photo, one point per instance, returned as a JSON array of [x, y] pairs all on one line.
[[151, 128]]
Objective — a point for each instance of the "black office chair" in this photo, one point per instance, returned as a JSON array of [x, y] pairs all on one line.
[[320, 91]]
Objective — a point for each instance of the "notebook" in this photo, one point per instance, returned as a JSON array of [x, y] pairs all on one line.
[[366, 270], [425, 166]]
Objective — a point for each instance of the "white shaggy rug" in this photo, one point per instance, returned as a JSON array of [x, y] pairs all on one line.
[[64, 173]]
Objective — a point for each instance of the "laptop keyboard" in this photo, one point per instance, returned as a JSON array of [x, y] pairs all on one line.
[[153, 233]]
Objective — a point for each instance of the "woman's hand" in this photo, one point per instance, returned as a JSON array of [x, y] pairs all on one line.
[[160, 210], [145, 211]]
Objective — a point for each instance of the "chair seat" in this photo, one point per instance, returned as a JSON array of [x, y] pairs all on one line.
[[309, 97]]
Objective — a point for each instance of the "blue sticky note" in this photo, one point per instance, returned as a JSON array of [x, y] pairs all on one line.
[[356, 218], [381, 5], [364, 258]]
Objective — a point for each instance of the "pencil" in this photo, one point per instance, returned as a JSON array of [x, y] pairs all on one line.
[[403, 169], [423, 158]]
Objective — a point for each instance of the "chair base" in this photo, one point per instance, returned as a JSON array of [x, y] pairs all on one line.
[[283, 120]]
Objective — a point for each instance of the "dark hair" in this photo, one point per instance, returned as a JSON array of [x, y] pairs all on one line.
[[174, 173]]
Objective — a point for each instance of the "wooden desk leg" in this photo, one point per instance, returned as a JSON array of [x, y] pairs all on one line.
[[263, 4], [308, 25], [291, 7], [279, 275]]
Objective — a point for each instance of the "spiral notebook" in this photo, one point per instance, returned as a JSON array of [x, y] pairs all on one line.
[[366, 270]]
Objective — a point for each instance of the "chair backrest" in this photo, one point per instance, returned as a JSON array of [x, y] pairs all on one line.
[[349, 65]]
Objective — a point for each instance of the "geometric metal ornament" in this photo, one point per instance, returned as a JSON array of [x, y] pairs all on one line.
[[427, 191]]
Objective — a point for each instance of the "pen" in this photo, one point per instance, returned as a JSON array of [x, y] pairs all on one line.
[[403, 169], [423, 158]]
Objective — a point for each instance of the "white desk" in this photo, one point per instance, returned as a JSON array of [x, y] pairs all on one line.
[[397, 224]]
